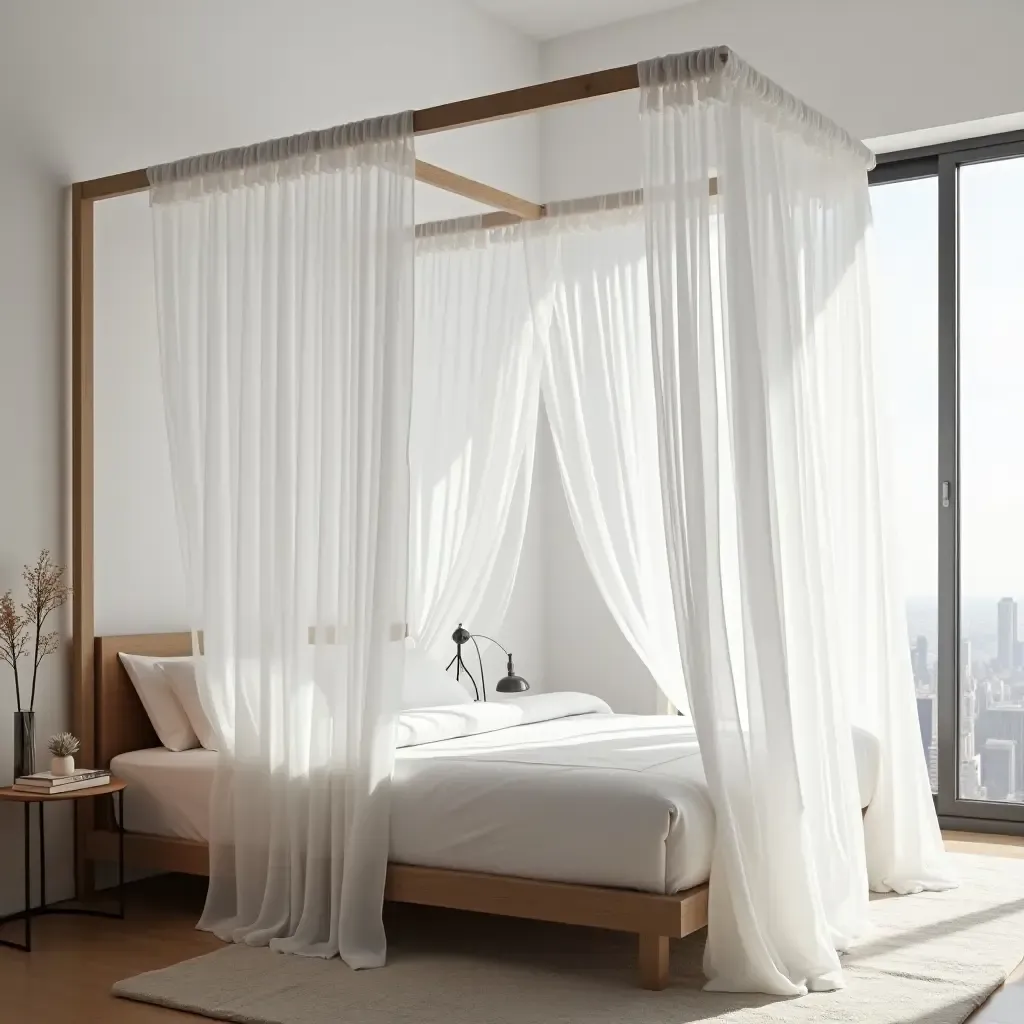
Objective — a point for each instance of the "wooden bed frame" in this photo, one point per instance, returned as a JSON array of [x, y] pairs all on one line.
[[121, 725]]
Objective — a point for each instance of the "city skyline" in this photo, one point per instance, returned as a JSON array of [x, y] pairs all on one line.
[[990, 679]]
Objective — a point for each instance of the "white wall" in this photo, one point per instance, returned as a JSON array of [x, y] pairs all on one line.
[[88, 89], [878, 67]]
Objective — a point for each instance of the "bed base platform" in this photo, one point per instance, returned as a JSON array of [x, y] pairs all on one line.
[[654, 918]]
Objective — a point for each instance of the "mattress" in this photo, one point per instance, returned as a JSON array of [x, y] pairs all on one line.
[[168, 791], [553, 787]]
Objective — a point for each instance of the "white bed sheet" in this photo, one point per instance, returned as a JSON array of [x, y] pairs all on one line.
[[168, 791], [599, 799]]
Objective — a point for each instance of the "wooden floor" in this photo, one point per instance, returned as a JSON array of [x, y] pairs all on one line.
[[67, 977]]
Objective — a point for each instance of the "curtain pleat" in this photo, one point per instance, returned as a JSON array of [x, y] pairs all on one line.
[[599, 397], [774, 518], [284, 286], [474, 426]]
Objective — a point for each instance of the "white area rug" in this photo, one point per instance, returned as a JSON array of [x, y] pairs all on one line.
[[931, 960]]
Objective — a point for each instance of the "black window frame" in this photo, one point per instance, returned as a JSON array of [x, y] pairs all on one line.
[[943, 161]]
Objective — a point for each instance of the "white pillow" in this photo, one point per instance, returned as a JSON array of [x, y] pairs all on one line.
[[184, 683], [427, 685], [166, 714]]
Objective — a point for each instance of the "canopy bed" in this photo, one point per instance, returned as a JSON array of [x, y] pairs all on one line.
[[472, 827], [704, 350]]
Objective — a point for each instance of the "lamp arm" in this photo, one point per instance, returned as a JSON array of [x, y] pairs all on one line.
[[493, 641], [480, 661]]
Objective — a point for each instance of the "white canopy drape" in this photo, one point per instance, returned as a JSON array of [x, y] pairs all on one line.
[[474, 425], [284, 292], [720, 451], [599, 397], [772, 510]]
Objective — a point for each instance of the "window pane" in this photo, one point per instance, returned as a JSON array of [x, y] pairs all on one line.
[[906, 234], [991, 481]]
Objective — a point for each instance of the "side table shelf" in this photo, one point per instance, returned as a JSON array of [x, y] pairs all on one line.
[[115, 790]]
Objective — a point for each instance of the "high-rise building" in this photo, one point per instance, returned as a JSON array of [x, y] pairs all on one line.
[[926, 720], [996, 692], [968, 719], [1002, 721], [919, 661], [1006, 656], [999, 768], [966, 662], [970, 779]]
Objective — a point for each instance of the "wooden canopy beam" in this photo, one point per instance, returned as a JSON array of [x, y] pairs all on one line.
[[525, 100], [449, 181], [123, 184], [445, 117], [130, 182]]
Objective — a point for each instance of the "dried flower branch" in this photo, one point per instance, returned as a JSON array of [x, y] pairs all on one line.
[[64, 744], [13, 637], [47, 591]]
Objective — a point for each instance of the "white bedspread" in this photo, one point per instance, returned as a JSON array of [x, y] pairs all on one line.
[[550, 786], [168, 791]]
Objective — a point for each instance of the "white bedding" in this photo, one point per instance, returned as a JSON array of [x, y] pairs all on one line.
[[168, 791], [550, 786]]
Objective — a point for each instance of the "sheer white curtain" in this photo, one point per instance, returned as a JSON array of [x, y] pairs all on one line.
[[284, 292], [599, 397], [772, 514], [474, 425]]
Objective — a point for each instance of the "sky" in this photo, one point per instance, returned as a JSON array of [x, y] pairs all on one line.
[[991, 372]]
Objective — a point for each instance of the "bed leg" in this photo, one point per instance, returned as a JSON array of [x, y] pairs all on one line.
[[653, 961]]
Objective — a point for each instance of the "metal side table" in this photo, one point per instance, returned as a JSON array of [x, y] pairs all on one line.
[[115, 789]]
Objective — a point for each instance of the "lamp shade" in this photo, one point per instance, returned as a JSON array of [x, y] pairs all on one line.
[[512, 683]]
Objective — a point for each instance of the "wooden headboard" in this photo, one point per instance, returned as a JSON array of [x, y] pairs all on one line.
[[121, 722]]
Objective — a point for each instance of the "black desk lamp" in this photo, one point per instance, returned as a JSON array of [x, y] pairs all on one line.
[[510, 683]]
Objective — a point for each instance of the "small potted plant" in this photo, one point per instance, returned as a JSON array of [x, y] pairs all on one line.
[[63, 747]]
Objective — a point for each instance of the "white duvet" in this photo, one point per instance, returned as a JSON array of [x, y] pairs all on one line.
[[551, 786], [556, 786]]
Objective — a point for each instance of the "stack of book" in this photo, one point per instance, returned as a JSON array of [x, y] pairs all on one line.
[[48, 784]]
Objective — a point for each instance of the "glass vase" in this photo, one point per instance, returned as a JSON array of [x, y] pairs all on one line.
[[24, 743]]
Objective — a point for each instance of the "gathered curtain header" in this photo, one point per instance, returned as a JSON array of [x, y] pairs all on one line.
[[718, 73], [385, 141], [472, 232], [592, 212]]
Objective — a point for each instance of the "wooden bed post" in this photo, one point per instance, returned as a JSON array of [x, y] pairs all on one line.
[[653, 961], [82, 480]]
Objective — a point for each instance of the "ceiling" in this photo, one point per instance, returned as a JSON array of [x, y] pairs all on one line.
[[545, 19]]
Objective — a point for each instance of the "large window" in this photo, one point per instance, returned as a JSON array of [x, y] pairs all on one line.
[[906, 215], [991, 294], [948, 224]]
